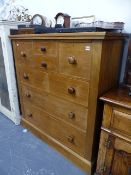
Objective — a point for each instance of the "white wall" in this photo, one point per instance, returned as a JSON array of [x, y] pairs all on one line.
[[106, 10]]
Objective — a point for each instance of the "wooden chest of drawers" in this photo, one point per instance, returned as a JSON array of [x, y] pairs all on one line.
[[60, 77], [115, 143]]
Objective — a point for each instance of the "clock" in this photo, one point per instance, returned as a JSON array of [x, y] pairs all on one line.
[[38, 19], [62, 20]]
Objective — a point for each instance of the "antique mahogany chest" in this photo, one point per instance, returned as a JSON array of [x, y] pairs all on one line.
[[114, 155], [60, 77]]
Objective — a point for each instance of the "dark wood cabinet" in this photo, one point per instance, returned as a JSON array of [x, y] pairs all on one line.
[[114, 157]]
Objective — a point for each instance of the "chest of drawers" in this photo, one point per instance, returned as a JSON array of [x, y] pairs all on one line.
[[114, 155], [60, 77]]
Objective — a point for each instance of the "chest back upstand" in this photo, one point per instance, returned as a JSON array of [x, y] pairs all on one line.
[[60, 77]]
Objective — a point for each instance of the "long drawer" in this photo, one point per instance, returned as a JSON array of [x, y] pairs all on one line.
[[65, 87], [69, 88], [72, 113], [34, 78], [67, 135]]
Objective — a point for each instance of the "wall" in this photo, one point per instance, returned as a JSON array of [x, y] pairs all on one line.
[[107, 10]]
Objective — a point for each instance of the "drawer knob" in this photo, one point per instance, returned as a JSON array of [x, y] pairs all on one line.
[[71, 90], [28, 95], [70, 139], [108, 144], [26, 77], [103, 169], [44, 64], [23, 54], [30, 115], [43, 49], [72, 60], [71, 115]]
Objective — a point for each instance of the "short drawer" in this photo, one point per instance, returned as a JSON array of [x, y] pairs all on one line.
[[32, 77], [69, 88], [71, 113], [45, 48], [42, 60], [69, 136], [75, 59], [23, 51], [121, 121]]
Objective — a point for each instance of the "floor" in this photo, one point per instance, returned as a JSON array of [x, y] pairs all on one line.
[[21, 153]]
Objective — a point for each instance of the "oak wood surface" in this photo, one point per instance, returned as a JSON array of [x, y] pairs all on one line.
[[76, 158], [63, 108], [80, 54], [66, 88], [61, 131]]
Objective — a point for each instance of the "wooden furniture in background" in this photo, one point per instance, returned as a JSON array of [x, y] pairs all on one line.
[[60, 77], [114, 157], [127, 78]]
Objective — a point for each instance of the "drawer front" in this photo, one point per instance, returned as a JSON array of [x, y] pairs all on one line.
[[23, 51], [70, 89], [47, 64], [121, 121], [75, 59], [33, 78], [45, 55], [69, 136], [74, 114], [45, 48], [43, 60]]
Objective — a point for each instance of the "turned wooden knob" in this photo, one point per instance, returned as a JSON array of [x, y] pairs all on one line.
[[103, 169], [30, 115], [23, 54], [70, 139], [72, 60], [43, 64], [108, 143], [26, 77], [43, 49], [28, 95], [71, 115], [71, 90]]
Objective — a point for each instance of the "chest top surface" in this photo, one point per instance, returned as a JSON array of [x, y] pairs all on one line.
[[119, 96]]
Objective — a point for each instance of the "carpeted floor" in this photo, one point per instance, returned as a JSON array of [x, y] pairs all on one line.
[[21, 153]]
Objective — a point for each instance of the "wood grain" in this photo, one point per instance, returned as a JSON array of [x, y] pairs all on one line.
[[55, 106], [69, 136], [61, 87], [81, 53]]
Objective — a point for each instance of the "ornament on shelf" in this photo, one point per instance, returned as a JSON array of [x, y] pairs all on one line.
[[10, 10]]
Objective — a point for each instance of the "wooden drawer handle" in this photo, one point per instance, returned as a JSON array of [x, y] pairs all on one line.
[[43, 49], [108, 143], [71, 139], [23, 54], [43, 64], [30, 115], [25, 76], [72, 60], [103, 169], [28, 95], [71, 90], [71, 115]]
